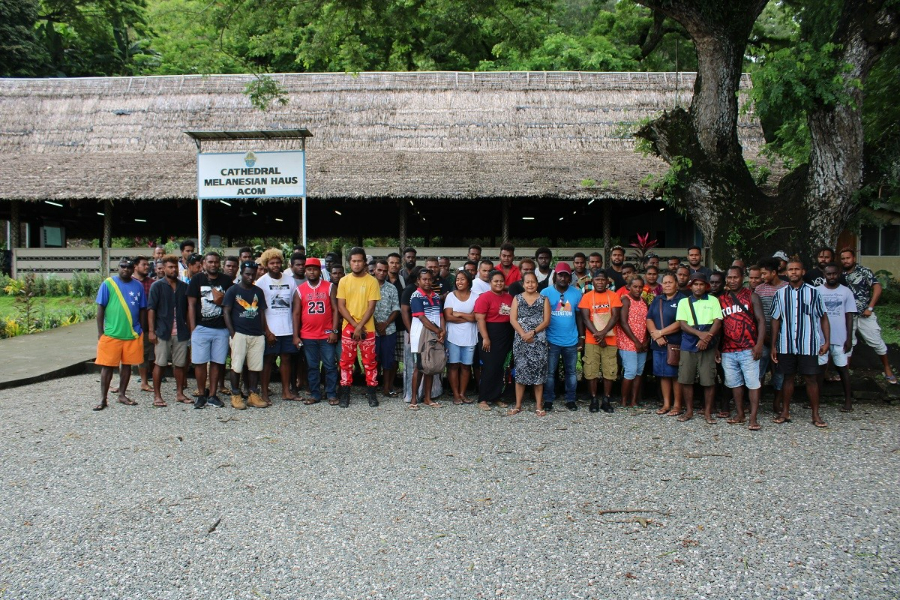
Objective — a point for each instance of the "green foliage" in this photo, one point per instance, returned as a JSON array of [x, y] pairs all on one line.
[[791, 82], [760, 173], [85, 285], [187, 40], [21, 53], [264, 90], [96, 37]]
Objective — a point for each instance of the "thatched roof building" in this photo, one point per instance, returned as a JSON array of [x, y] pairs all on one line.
[[377, 135]]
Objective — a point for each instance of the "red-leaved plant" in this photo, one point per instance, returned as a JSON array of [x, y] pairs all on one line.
[[642, 247]]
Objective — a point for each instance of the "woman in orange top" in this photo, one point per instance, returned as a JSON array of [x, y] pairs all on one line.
[[632, 340]]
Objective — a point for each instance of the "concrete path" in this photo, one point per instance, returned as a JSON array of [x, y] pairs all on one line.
[[41, 356]]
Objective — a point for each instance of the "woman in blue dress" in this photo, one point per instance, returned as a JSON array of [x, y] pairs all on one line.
[[665, 330]]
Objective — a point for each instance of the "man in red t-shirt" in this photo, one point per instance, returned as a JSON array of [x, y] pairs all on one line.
[[316, 326], [510, 271], [743, 336]]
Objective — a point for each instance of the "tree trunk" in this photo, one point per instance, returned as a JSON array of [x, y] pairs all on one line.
[[836, 158], [709, 177]]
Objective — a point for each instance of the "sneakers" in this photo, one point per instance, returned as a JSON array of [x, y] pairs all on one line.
[[344, 396], [572, 406], [373, 398], [200, 402], [595, 404], [606, 406], [214, 401], [256, 401], [237, 402]]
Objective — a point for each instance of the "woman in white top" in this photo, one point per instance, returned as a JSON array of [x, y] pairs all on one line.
[[462, 335]]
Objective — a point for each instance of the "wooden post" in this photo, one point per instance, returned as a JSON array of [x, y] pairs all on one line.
[[204, 229], [607, 230], [15, 224], [401, 208], [504, 226], [106, 242]]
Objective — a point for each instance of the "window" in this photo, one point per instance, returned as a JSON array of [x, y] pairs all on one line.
[[880, 241]]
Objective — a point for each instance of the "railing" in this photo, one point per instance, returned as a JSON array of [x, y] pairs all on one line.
[[63, 262]]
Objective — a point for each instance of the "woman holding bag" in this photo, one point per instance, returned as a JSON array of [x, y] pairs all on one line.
[[665, 334]]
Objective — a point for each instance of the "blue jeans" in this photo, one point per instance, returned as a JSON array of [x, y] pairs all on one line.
[[569, 356], [321, 351]]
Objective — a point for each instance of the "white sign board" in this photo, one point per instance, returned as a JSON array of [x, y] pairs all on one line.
[[236, 175]]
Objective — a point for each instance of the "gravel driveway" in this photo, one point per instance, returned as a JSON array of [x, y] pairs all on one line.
[[320, 502]]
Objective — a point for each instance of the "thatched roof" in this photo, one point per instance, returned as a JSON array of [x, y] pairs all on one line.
[[377, 135]]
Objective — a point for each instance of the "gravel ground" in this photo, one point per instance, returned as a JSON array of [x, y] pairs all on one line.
[[320, 502]]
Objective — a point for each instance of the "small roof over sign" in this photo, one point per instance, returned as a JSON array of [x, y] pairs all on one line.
[[272, 134]]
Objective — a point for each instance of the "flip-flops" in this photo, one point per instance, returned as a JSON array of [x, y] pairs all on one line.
[[891, 380]]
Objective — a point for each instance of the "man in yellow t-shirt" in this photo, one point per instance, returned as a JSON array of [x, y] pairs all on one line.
[[357, 295]]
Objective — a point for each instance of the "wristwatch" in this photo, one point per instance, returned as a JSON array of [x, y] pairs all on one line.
[[871, 309]]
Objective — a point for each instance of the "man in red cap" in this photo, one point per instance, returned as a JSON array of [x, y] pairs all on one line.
[[316, 327], [700, 316], [565, 334]]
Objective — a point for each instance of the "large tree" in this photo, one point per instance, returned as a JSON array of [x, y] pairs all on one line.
[[709, 176]]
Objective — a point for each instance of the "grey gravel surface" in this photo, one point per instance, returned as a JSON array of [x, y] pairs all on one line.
[[322, 502]]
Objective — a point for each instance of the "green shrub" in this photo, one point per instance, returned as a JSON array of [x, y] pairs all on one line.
[[85, 285]]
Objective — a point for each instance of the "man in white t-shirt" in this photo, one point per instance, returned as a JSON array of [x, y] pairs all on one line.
[[482, 283], [279, 290], [840, 305]]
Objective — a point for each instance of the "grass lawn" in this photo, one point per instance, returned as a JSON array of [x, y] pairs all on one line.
[[8, 308], [889, 319]]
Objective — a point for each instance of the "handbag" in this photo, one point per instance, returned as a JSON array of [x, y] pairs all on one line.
[[673, 351]]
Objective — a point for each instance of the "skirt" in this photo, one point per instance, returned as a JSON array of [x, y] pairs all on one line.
[[492, 363]]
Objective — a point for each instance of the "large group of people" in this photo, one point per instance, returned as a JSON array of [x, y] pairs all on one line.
[[502, 327]]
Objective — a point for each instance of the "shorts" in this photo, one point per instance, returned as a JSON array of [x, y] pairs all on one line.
[[112, 352], [740, 369], [599, 360], [804, 364], [463, 355], [247, 349], [284, 344], [836, 352], [173, 350], [697, 364], [209, 345], [632, 363], [385, 349]]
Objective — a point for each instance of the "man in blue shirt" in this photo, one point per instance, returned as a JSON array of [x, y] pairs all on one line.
[[565, 334]]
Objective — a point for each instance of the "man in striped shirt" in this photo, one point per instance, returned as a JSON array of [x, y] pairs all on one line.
[[796, 342]]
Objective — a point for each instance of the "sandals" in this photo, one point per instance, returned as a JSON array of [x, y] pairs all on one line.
[[333, 401], [736, 421], [127, 401], [513, 411], [891, 380], [755, 427], [820, 424], [780, 420], [413, 407], [159, 404], [311, 401], [540, 413]]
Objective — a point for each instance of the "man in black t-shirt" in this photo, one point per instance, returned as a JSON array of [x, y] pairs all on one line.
[[245, 318], [209, 336]]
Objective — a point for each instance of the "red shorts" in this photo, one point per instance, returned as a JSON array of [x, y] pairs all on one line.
[[112, 352]]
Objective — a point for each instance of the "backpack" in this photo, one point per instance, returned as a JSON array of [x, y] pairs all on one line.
[[434, 357]]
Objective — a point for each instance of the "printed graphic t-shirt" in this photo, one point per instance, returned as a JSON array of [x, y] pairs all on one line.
[[563, 330], [245, 308], [838, 302], [208, 313], [738, 321], [600, 304], [279, 296]]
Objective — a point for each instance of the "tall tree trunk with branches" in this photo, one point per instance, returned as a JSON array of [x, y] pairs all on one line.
[[709, 176]]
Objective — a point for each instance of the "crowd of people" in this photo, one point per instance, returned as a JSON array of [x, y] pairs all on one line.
[[500, 326]]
